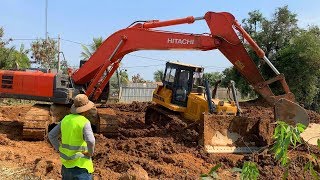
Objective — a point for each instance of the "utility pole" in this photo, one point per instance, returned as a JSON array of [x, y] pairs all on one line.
[[58, 66], [46, 20]]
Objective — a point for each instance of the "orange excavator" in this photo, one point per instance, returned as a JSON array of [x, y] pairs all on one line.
[[93, 76]]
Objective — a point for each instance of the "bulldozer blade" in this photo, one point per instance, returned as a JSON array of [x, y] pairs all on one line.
[[311, 134], [232, 134], [290, 112]]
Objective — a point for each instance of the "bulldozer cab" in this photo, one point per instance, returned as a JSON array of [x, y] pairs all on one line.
[[182, 79]]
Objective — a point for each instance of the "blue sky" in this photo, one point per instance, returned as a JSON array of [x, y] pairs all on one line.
[[81, 20]]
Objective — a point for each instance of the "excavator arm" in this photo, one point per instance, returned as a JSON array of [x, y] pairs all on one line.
[[223, 36]]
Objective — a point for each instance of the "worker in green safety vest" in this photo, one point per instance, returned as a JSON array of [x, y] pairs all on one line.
[[77, 140]]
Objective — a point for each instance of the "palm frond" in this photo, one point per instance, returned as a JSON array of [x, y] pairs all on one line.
[[86, 53], [89, 50]]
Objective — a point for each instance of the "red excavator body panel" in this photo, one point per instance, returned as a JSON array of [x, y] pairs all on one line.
[[24, 83]]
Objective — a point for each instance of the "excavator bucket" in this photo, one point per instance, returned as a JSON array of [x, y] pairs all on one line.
[[236, 134], [290, 112], [233, 134]]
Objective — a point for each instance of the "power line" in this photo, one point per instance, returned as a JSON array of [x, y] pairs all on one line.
[[219, 67], [144, 57], [74, 42], [20, 39], [33, 39], [142, 66]]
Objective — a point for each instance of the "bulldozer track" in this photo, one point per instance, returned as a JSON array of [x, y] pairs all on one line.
[[163, 117], [173, 123]]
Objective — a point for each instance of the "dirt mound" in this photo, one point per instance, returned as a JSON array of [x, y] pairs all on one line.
[[133, 107], [13, 113], [255, 102], [259, 108], [159, 157], [43, 167], [11, 129], [5, 141], [314, 117], [143, 149], [262, 114]]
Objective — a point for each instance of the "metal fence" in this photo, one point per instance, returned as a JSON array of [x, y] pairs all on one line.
[[222, 93], [143, 92], [137, 92]]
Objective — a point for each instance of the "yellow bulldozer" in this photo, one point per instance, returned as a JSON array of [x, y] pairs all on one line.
[[184, 103]]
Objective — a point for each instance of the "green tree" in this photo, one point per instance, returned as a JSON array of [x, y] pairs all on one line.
[[158, 75], [17, 59], [88, 51], [3, 42], [294, 52], [241, 84], [1, 35], [300, 62], [254, 22], [124, 79], [4, 56], [10, 58], [138, 79], [272, 36], [212, 77], [45, 52]]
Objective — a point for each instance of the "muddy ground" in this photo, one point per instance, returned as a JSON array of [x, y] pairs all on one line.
[[138, 149]]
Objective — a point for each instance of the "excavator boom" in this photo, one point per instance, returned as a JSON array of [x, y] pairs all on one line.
[[223, 37], [143, 37]]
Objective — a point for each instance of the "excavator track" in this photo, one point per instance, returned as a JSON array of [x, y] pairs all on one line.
[[39, 117], [36, 122]]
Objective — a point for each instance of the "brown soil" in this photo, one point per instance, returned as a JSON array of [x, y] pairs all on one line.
[[139, 149]]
